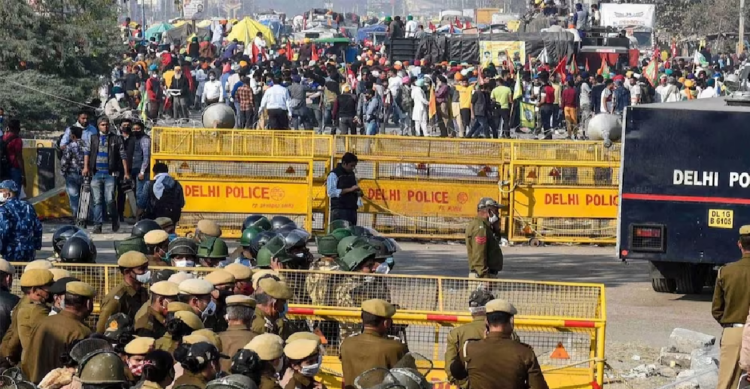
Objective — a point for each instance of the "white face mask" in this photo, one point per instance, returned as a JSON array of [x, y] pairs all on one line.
[[4, 197], [210, 309], [312, 370], [144, 278], [383, 268], [494, 218], [184, 263]]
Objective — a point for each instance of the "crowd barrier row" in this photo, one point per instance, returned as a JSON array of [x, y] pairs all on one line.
[[564, 322], [556, 191]]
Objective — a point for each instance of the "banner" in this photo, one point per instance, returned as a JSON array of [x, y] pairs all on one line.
[[528, 116], [497, 52], [193, 9], [628, 15]]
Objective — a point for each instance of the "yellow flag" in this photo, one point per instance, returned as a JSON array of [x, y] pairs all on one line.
[[433, 102], [518, 89]]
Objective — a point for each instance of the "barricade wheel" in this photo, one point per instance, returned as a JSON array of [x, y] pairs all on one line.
[[663, 285], [534, 242]]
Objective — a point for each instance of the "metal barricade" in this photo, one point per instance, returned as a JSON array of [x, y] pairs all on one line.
[[425, 187], [565, 192], [228, 174], [564, 322]]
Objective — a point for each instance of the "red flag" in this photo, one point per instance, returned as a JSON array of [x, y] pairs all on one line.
[[431, 27], [509, 61], [289, 53], [451, 31], [573, 67], [587, 65], [560, 68], [314, 53], [255, 52], [468, 24], [458, 23]]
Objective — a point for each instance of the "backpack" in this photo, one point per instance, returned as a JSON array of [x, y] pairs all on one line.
[[5, 158], [58, 150], [407, 103], [166, 205]]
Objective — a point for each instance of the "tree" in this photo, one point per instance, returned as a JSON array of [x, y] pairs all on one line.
[[54, 52]]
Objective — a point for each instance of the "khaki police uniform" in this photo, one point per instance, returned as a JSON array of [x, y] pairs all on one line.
[[268, 382], [498, 361], [236, 336], [268, 347], [370, 349], [124, 298], [456, 338], [149, 320], [52, 336], [155, 238], [299, 381], [483, 248], [299, 349], [261, 323], [26, 316], [730, 306], [190, 379]]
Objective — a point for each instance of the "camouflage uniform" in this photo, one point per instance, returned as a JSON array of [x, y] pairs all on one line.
[[20, 231], [318, 285]]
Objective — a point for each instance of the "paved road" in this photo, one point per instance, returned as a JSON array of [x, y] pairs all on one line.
[[636, 314]]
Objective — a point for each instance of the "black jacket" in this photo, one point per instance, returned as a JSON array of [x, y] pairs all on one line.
[[116, 152], [8, 301]]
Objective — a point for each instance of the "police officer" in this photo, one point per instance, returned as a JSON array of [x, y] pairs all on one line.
[[53, 334], [470, 331], [271, 353], [35, 284], [201, 361], [240, 311], [305, 360], [245, 254], [183, 252], [181, 321], [130, 295], [482, 241], [730, 305], [135, 356], [8, 300], [212, 252], [150, 320], [498, 361], [102, 370], [58, 294], [157, 245], [372, 348], [342, 189], [206, 229], [78, 249], [197, 294], [20, 229], [258, 221], [271, 307], [223, 282], [273, 255], [243, 276]]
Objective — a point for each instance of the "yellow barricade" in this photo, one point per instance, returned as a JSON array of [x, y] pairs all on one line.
[[425, 187], [564, 191], [228, 174], [567, 319]]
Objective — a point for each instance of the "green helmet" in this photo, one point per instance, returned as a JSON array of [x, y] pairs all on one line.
[[363, 231], [213, 248], [327, 245], [275, 248], [341, 233], [258, 221], [355, 257], [347, 244], [248, 234], [385, 247], [336, 224], [102, 368]]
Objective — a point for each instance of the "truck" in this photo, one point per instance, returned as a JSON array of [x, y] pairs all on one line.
[[638, 21], [684, 189]]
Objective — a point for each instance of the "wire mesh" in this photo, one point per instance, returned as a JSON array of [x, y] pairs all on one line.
[[443, 149], [598, 177], [565, 151], [241, 170], [561, 228]]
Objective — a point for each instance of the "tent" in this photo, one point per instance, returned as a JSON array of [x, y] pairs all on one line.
[[365, 32], [180, 35], [247, 28], [274, 25], [157, 30]]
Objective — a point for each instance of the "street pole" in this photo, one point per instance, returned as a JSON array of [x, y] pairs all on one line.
[[742, 28]]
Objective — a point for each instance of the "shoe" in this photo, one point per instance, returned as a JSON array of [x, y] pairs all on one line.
[[115, 224], [98, 229]]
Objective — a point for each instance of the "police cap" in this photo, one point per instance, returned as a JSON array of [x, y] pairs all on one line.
[[156, 237], [240, 300], [745, 230], [239, 271], [196, 287], [58, 273], [267, 346], [220, 277], [378, 307], [139, 346], [190, 318], [275, 289], [212, 337], [178, 277], [38, 264], [79, 288], [500, 305], [59, 286], [164, 222], [300, 349], [36, 277], [176, 306], [6, 267], [194, 338], [209, 228], [132, 259], [263, 274], [165, 288], [303, 335]]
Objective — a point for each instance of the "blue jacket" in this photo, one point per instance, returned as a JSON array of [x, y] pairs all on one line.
[[20, 231], [622, 98]]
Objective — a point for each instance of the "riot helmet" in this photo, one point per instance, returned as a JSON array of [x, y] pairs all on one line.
[[279, 222], [261, 239], [102, 368], [327, 245], [61, 235], [355, 257], [213, 249], [341, 233], [275, 248], [248, 234], [363, 231], [347, 244], [143, 227], [233, 381], [78, 249], [257, 221], [339, 223], [248, 363]]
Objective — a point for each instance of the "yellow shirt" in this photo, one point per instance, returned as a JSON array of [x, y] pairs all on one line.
[[464, 96], [168, 76], [501, 95]]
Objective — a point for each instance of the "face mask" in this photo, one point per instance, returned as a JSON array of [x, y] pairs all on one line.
[[278, 365], [311, 370], [223, 294], [136, 368], [494, 218], [144, 278], [300, 255], [212, 78], [210, 310], [283, 312], [184, 263], [3, 197], [137, 134], [383, 268]]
